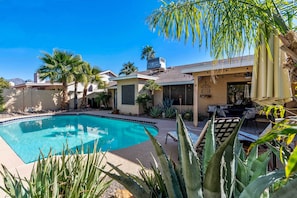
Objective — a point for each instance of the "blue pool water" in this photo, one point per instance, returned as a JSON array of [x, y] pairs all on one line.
[[27, 137]]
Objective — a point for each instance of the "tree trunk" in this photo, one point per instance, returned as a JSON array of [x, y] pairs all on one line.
[[290, 48], [75, 95], [83, 103], [64, 104]]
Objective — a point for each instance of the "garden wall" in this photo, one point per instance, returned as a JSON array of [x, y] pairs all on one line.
[[29, 100]]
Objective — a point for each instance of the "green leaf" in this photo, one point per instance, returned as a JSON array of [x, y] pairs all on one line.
[[190, 164], [291, 166], [167, 169], [128, 182], [287, 191], [210, 144], [212, 183], [281, 129], [259, 165], [258, 186]]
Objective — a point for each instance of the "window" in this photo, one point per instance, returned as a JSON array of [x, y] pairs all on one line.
[[179, 92], [128, 94], [238, 93]]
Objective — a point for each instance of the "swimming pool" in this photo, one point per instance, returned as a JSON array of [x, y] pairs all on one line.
[[27, 137]]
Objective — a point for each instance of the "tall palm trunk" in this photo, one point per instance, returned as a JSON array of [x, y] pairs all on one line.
[[75, 95], [65, 104], [83, 103]]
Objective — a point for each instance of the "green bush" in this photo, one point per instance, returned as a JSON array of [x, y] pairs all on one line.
[[167, 103], [72, 175], [170, 112], [1, 101], [188, 115], [155, 112], [144, 100]]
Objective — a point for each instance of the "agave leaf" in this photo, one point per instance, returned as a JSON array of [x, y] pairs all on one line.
[[13, 186], [242, 175], [127, 181], [241, 170], [167, 169], [229, 158], [258, 186], [190, 165], [291, 166], [210, 144], [259, 165], [287, 191], [212, 182]]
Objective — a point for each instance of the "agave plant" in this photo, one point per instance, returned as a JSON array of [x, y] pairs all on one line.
[[187, 178], [67, 175], [155, 112], [170, 112], [223, 171]]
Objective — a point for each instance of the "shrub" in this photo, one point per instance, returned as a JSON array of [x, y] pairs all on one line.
[[60, 176], [188, 115], [1, 101], [103, 99], [144, 99], [167, 103], [155, 112], [170, 112]]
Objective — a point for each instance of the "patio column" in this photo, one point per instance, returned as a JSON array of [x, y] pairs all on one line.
[[195, 100]]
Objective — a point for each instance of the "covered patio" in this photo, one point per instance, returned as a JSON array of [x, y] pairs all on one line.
[[213, 82]]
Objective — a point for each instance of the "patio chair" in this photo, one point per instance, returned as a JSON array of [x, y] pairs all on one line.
[[223, 128], [248, 137]]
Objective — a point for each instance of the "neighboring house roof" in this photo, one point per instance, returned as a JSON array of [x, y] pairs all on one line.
[[47, 85], [109, 73], [220, 64], [133, 76], [37, 85]]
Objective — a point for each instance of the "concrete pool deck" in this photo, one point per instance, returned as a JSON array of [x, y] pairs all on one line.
[[127, 158]]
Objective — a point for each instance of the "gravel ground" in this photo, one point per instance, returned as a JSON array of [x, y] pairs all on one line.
[[111, 191]]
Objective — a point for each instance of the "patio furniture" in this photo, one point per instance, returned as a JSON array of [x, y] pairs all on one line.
[[250, 116], [245, 136], [223, 128]]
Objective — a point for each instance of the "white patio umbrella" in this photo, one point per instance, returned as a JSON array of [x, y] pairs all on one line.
[[270, 81]]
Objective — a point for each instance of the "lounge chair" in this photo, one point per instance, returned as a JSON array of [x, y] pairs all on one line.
[[245, 136], [223, 128]]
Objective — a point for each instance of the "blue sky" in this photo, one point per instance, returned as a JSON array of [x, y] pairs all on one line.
[[106, 34]]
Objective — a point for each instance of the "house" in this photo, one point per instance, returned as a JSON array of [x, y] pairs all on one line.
[[223, 83], [92, 90], [194, 86]]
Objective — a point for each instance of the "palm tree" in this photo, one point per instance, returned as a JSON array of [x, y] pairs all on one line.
[[3, 83], [147, 53], [128, 68], [59, 67], [229, 27], [89, 75]]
